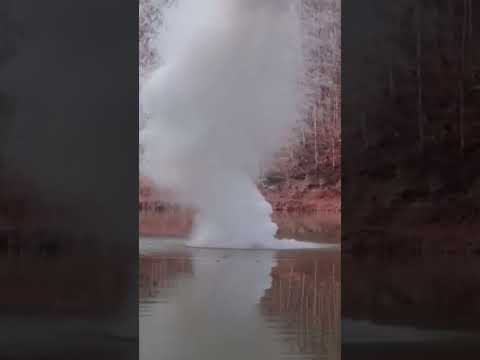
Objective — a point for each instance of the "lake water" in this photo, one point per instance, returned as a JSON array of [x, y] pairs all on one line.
[[413, 307], [234, 304]]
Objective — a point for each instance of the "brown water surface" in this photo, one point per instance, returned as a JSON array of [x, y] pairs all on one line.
[[235, 304]]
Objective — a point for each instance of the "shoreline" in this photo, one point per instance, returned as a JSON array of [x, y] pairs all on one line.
[[313, 212]]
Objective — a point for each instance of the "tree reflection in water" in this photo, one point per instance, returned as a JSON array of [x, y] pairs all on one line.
[[283, 304], [305, 297]]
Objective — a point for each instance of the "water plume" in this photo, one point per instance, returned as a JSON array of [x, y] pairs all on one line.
[[220, 105]]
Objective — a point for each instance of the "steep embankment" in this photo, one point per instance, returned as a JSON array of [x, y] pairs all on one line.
[[411, 130]]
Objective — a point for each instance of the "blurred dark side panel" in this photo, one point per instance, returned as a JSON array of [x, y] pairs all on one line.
[[68, 179], [410, 177]]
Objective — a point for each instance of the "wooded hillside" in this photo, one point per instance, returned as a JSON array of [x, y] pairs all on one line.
[[312, 158], [411, 123]]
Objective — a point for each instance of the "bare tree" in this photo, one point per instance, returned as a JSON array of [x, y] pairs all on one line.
[[320, 121], [420, 113], [461, 80]]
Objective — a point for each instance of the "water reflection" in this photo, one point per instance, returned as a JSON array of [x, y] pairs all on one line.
[[429, 293], [160, 273], [305, 296], [410, 307], [68, 306], [231, 304]]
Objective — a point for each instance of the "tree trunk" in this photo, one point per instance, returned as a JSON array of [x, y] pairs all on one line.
[[391, 80], [461, 125], [363, 124], [420, 118], [333, 151], [304, 138], [315, 130], [470, 39]]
